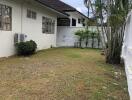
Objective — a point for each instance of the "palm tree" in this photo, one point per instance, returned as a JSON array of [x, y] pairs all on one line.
[[116, 11], [87, 36], [81, 35], [86, 3], [101, 34]]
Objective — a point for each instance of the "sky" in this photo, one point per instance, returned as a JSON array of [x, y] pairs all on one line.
[[78, 4]]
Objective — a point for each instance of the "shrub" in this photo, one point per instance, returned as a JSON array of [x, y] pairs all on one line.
[[80, 33], [86, 35], [26, 48]]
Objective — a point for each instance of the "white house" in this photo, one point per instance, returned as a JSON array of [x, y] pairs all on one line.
[[127, 52], [68, 26], [43, 21]]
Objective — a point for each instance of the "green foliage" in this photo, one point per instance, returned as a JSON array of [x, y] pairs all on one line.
[[81, 34], [26, 48], [117, 17], [116, 12], [85, 35]]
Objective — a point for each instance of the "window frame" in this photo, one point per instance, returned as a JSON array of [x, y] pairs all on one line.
[[74, 22], [48, 25], [31, 14], [79, 21], [5, 18]]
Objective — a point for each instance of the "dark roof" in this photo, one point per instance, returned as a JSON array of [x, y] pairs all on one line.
[[45, 3], [59, 6]]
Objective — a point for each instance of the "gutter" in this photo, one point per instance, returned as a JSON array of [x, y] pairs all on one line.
[[22, 17]]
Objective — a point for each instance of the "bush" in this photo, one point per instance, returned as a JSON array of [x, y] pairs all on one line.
[[26, 48]]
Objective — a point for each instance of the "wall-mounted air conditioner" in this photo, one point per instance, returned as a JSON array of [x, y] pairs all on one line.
[[19, 37]]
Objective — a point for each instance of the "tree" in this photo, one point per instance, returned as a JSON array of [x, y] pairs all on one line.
[[98, 38], [115, 11], [93, 36], [87, 36], [81, 35]]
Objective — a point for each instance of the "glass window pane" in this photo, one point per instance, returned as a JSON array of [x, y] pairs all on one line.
[[5, 17], [48, 25]]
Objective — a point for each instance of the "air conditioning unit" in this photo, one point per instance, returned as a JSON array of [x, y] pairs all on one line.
[[19, 37]]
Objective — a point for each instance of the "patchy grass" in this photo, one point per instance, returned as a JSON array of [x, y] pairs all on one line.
[[62, 74]]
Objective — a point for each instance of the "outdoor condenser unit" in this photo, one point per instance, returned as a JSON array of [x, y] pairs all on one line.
[[19, 38]]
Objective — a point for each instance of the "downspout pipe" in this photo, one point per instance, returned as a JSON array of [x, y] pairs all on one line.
[[22, 17]]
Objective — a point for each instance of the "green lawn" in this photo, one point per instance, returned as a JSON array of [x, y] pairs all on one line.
[[62, 74]]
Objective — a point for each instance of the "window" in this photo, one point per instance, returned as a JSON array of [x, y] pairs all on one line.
[[34, 15], [63, 22], [73, 22], [5, 18], [79, 21], [83, 22], [48, 25], [31, 14]]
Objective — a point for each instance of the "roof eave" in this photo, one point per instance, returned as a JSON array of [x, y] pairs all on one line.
[[51, 8], [83, 14], [77, 12]]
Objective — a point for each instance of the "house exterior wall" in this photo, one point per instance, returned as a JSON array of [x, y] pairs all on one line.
[[22, 24], [34, 31]]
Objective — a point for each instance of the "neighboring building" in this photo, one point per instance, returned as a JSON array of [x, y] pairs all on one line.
[[66, 31], [43, 21], [127, 52], [67, 26]]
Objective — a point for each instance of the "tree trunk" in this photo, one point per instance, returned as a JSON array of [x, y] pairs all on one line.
[[87, 41], [92, 40]]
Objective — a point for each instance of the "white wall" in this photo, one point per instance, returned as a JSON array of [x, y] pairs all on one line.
[[6, 37], [22, 24], [127, 52], [127, 44], [34, 29], [66, 36]]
